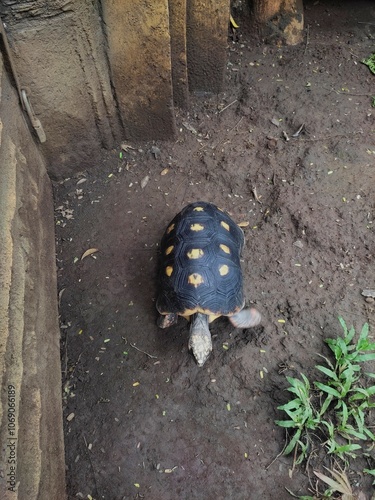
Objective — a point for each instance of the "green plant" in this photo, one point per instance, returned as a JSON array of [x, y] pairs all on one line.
[[338, 412], [370, 62], [303, 416]]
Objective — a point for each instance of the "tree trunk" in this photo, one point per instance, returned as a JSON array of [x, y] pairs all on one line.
[[279, 20]]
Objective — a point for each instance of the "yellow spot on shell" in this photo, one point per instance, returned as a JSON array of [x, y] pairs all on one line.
[[198, 209], [225, 225], [169, 250], [223, 270], [195, 279], [225, 248], [195, 253], [196, 227], [170, 228], [168, 270]]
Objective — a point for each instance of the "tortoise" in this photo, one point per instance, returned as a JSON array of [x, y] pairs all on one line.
[[200, 276]]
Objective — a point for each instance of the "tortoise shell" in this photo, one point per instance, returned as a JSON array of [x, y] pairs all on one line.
[[200, 268]]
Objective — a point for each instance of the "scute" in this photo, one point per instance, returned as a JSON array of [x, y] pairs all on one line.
[[212, 282]]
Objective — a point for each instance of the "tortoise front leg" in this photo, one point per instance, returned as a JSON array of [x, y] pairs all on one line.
[[166, 320]]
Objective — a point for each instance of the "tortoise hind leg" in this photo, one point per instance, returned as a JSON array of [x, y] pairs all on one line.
[[166, 320], [246, 318]]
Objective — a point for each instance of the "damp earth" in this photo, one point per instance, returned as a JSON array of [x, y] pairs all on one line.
[[288, 150]]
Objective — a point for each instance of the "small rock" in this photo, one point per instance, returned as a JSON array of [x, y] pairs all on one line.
[[298, 244], [155, 151], [271, 143]]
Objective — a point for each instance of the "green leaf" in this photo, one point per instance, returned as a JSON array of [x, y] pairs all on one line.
[[332, 343], [326, 404], [364, 333], [359, 418], [349, 336], [293, 442], [293, 381], [348, 377], [370, 390], [332, 445], [347, 448], [344, 414], [330, 427], [365, 357], [358, 395], [285, 423], [370, 62], [341, 344], [369, 471], [303, 453], [294, 404], [371, 375], [327, 371], [306, 380], [343, 324], [353, 432], [369, 433], [328, 389]]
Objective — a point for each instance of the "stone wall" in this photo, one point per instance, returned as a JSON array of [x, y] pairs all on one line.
[[31, 437]]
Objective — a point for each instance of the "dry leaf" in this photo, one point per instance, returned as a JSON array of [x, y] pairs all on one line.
[[60, 294], [88, 252], [144, 181], [126, 147], [189, 127], [233, 22]]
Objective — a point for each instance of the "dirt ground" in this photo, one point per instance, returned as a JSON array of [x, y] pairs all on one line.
[[142, 420]]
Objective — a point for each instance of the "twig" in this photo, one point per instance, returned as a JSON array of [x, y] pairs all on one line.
[[274, 460], [66, 356], [328, 137], [307, 39], [348, 93], [226, 107], [229, 131], [279, 455], [75, 365], [140, 350], [365, 22], [92, 466]]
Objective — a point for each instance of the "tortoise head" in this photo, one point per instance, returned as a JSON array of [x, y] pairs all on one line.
[[200, 338]]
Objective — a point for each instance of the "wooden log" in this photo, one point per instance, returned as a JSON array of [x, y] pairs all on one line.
[[207, 33], [140, 59], [177, 27]]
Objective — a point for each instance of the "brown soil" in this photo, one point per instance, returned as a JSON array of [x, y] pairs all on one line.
[[155, 425]]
